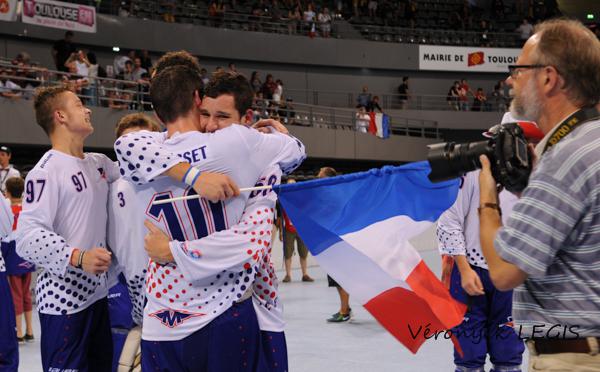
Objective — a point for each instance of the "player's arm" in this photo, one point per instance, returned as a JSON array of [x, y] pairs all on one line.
[[142, 158], [451, 235], [35, 238], [278, 148], [242, 245]]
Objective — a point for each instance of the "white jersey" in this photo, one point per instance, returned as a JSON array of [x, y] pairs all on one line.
[[458, 227], [6, 224], [201, 284], [126, 232], [64, 207]]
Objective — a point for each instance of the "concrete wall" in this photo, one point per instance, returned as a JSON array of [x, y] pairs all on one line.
[[18, 127], [330, 65]]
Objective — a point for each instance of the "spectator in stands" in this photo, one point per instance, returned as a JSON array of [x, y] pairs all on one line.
[[219, 70], [411, 13], [479, 100], [146, 60], [362, 120], [268, 88], [309, 19], [8, 88], [6, 169], [324, 19], [276, 12], [204, 76], [374, 105], [138, 70], [169, 7], [127, 72], [294, 19], [118, 99], [278, 93], [372, 8], [463, 95], [120, 60], [62, 50], [364, 97], [255, 81], [93, 73], [525, 30], [499, 97], [231, 67], [403, 93], [453, 96], [286, 111], [260, 106]]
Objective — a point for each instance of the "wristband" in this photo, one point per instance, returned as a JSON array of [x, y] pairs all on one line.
[[491, 206], [74, 264], [80, 260], [191, 176]]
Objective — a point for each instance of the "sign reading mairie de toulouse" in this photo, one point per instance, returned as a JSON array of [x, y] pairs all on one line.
[[444, 58], [58, 14]]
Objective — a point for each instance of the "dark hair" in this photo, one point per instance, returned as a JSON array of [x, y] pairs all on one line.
[[404, 79], [137, 120], [178, 58], [172, 92], [231, 83], [15, 186], [69, 33], [91, 56], [44, 103]]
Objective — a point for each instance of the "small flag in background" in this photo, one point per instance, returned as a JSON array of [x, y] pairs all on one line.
[[358, 227], [379, 125]]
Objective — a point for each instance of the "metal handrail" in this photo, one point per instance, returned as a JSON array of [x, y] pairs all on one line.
[[98, 94]]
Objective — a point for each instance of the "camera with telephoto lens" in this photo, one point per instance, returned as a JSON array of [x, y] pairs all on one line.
[[506, 148]]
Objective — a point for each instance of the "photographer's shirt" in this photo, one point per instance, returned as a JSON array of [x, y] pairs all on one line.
[[553, 235], [458, 227]]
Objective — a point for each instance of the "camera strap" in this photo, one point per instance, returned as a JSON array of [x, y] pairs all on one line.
[[569, 124]]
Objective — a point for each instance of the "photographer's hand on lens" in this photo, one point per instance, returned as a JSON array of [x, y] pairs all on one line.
[[488, 191]]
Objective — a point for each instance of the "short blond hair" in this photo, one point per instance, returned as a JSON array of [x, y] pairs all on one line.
[[137, 120], [46, 100]]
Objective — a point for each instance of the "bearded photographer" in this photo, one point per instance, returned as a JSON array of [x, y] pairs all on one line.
[[549, 250]]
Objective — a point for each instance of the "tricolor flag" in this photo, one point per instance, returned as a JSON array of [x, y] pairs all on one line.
[[358, 227], [379, 125]]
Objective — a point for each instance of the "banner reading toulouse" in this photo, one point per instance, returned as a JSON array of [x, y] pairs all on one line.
[[58, 14], [8, 10], [442, 58]]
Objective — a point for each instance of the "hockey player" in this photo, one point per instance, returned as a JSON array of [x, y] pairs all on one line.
[[212, 313], [62, 229]]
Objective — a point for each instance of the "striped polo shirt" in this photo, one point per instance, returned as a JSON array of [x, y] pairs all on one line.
[[553, 234]]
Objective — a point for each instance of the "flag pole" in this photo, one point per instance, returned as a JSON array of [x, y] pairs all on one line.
[[190, 197]]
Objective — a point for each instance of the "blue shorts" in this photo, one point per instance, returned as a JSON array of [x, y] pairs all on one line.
[[274, 351], [80, 341], [9, 348], [231, 342]]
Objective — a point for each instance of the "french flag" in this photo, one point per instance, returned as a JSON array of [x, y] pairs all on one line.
[[379, 125], [358, 227]]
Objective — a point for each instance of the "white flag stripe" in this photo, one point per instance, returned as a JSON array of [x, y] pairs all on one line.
[[356, 273], [387, 244]]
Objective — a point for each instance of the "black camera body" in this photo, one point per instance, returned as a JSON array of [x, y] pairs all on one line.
[[506, 149]]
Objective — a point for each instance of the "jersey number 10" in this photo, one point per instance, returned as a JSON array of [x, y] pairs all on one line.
[[201, 221]]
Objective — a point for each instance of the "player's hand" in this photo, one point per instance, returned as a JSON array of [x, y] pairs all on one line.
[[215, 187], [488, 192], [264, 124], [156, 243], [96, 260], [471, 282]]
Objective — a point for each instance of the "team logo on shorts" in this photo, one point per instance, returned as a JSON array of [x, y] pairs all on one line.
[[172, 318]]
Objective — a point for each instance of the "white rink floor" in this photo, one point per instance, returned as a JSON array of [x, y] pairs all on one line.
[[314, 345]]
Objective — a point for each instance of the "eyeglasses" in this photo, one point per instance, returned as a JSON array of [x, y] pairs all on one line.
[[515, 70]]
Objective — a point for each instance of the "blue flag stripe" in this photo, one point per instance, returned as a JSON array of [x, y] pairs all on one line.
[[352, 202]]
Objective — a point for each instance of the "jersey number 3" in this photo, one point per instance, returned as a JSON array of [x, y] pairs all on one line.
[[204, 221]]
